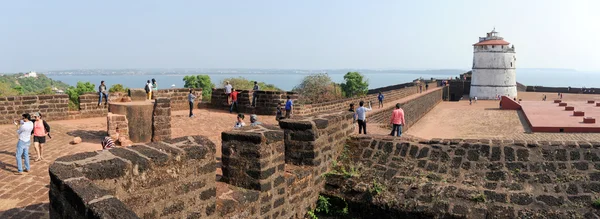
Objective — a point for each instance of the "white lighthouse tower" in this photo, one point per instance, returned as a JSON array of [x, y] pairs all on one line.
[[494, 64]]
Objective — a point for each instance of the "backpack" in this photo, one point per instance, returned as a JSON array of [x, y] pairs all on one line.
[[147, 88]]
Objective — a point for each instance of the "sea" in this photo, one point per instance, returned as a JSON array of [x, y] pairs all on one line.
[[288, 79]]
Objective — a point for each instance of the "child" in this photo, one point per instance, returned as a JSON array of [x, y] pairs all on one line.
[[279, 114], [107, 143], [240, 121]]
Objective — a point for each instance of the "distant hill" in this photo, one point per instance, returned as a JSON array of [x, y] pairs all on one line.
[[19, 84]]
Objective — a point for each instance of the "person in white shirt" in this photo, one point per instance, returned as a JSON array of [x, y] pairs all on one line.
[[361, 114], [24, 132], [228, 88]]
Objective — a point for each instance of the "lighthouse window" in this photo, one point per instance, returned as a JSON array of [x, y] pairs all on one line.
[[492, 47], [510, 64]]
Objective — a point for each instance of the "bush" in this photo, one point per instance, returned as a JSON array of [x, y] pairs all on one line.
[[355, 85], [74, 92], [241, 83], [118, 88], [318, 88], [200, 81]]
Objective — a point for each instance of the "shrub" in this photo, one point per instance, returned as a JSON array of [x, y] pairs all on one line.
[[318, 88], [355, 84], [200, 81], [118, 88], [241, 83], [74, 92]]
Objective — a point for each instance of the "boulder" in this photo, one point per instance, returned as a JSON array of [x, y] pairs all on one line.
[[76, 140], [126, 143]]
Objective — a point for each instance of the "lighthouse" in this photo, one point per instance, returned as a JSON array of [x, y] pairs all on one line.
[[494, 68]]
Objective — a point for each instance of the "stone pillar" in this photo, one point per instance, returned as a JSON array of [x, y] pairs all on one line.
[[253, 159], [117, 124], [161, 119], [139, 116]]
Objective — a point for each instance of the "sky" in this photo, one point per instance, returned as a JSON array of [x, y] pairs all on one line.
[[307, 34]]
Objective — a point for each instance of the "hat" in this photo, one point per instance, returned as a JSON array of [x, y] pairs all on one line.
[[36, 114], [253, 117]]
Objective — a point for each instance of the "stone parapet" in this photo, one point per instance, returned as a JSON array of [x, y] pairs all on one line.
[[161, 119], [414, 109], [170, 179], [52, 107], [472, 178]]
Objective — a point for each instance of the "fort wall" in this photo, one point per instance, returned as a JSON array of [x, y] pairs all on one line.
[[56, 107], [414, 109], [572, 90], [473, 178]]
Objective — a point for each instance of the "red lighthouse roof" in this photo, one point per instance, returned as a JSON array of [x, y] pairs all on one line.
[[491, 42]]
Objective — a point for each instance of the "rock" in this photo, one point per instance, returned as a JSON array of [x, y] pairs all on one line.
[[126, 99], [76, 140], [126, 143], [122, 139]]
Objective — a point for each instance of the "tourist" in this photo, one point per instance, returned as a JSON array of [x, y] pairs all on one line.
[[102, 92], [278, 114], [24, 131], [426, 86], [475, 98], [470, 100], [354, 113], [254, 120], [544, 98], [361, 114], [254, 96], [40, 130], [240, 121], [234, 98], [191, 98], [289, 106], [380, 98], [397, 121], [107, 143], [148, 90], [154, 87], [561, 95], [420, 88], [228, 88]]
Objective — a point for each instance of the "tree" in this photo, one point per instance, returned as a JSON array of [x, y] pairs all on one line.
[[118, 88], [200, 81], [241, 83], [80, 89], [317, 88], [355, 86], [47, 90], [7, 91]]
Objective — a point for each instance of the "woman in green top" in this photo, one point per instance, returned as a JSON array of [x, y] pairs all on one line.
[[154, 85]]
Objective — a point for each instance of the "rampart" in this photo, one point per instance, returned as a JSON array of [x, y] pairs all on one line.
[[56, 107], [414, 109], [574, 90], [267, 100], [170, 179], [473, 178]]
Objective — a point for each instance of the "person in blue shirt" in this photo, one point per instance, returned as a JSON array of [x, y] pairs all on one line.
[[289, 106], [380, 98]]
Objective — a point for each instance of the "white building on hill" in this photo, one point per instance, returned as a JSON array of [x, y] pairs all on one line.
[[494, 68], [31, 74]]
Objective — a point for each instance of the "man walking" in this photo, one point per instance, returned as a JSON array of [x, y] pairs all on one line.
[[234, 95], [397, 121], [102, 92], [228, 88], [191, 98], [24, 132], [254, 96], [289, 106], [361, 114]]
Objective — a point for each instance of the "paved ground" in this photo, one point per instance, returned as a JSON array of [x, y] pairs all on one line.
[[27, 196], [484, 120]]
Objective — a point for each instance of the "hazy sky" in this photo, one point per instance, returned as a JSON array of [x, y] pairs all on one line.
[[307, 34]]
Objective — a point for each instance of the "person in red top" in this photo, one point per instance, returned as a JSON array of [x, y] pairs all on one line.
[[234, 95], [397, 121]]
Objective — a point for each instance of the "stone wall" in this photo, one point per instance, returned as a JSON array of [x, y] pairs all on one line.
[[170, 179], [52, 107], [414, 109], [574, 90], [274, 173], [266, 103], [469, 178], [178, 96], [117, 124], [161, 119]]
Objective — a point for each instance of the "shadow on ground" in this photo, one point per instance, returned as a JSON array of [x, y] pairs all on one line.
[[88, 135], [39, 210]]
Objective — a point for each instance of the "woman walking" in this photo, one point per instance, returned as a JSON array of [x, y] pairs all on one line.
[[40, 130]]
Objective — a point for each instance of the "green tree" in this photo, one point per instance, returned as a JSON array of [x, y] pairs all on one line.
[[317, 88], [7, 91], [80, 89], [241, 83], [355, 84], [200, 81], [47, 90], [118, 88]]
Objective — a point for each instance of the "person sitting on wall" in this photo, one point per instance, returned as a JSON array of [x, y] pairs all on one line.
[[397, 121], [240, 121], [102, 92], [254, 120]]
